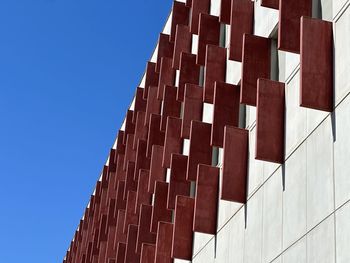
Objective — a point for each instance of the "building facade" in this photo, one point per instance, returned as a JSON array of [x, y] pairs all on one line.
[[236, 147]]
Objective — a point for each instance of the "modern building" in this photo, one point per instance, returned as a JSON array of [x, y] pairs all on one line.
[[236, 147]]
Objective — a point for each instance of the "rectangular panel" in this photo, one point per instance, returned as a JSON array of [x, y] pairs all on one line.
[[130, 253], [289, 23], [180, 15], [160, 211], [129, 125], [140, 103], [225, 12], [226, 111], [165, 49], [120, 236], [130, 153], [209, 34], [270, 4], [215, 70], [155, 135], [171, 107], [316, 64], [178, 184], [143, 196], [142, 162], [206, 202], [151, 78], [173, 141], [183, 43], [270, 121], [130, 184], [157, 172], [242, 19], [130, 216], [235, 165], [166, 76], [140, 130], [121, 174], [121, 252], [120, 145], [164, 243], [148, 252], [121, 201], [189, 73], [256, 64], [144, 234], [183, 234], [153, 104], [200, 150], [193, 108], [110, 251], [198, 7]]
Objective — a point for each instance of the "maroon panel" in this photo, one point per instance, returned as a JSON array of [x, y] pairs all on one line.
[[270, 3], [316, 64], [189, 73], [121, 201], [121, 252], [206, 203], [173, 141], [153, 104], [256, 64], [130, 252], [164, 243], [143, 196], [289, 23], [140, 103], [182, 234], [144, 234], [226, 111], [121, 175], [140, 129], [225, 12], [166, 76], [200, 150], [193, 108], [235, 160], [198, 7], [129, 125], [110, 252], [165, 49], [130, 153], [270, 121], [151, 79], [155, 135], [142, 162], [120, 146], [183, 43], [130, 216], [120, 235], [178, 184], [171, 107], [215, 70], [160, 211], [148, 252], [209, 34], [242, 19], [130, 184], [180, 15], [157, 172]]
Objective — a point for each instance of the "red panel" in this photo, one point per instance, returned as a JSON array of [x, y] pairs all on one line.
[[182, 234], [142, 162], [148, 253], [193, 108], [130, 184], [152, 78], [129, 125], [270, 3], [140, 103], [173, 141], [215, 70], [198, 7], [143, 197], [200, 149], [120, 145], [225, 12], [160, 211], [189, 73], [226, 111], [289, 23], [157, 172], [164, 243], [180, 15], [153, 104], [110, 252], [130, 153], [316, 64], [166, 77], [121, 252], [242, 19], [130, 253], [256, 64], [121, 175], [140, 130], [121, 201], [183, 43], [171, 107], [144, 234], [130, 216], [165, 49], [178, 184], [270, 121], [235, 160], [120, 236], [206, 203], [155, 135], [209, 34]]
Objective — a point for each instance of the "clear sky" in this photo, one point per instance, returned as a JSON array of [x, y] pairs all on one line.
[[68, 71]]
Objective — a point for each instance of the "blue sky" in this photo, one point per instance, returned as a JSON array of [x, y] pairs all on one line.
[[68, 71]]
